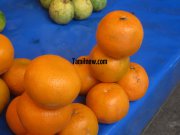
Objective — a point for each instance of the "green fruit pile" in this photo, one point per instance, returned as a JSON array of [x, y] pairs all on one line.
[[98, 4], [2, 21], [63, 11]]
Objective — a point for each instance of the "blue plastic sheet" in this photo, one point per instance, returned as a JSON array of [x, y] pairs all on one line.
[[33, 34]]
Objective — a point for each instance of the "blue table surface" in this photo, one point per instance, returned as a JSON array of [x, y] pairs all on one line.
[[33, 34]]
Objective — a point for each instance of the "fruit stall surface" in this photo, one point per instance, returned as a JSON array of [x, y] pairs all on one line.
[[33, 33]]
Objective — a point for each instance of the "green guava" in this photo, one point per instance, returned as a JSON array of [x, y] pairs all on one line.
[[98, 4], [83, 9], [61, 11], [2, 21], [45, 3]]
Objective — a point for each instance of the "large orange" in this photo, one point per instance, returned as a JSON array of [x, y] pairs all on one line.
[[14, 77], [52, 81], [41, 121], [135, 82], [13, 120], [4, 95], [6, 53], [110, 72], [119, 34], [83, 122], [108, 101], [87, 80]]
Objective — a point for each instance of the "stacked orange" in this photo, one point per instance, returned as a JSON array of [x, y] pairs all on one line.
[[119, 35], [51, 83], [45, 88]]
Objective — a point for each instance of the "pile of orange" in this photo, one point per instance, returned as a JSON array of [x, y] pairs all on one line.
[[46, 86], [50, 85], [119, 35]]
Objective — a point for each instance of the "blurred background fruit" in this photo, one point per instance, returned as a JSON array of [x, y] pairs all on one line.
[[14, 77], [61, 11], [6, 54], [45, 3], [108, 101], [135, 82], [83, 121], [2, 21], [82, 8], [98, 4], [4, 95]]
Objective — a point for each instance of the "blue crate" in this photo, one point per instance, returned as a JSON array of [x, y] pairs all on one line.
[[33, 33]]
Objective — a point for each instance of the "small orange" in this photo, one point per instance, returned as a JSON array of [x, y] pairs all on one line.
[[83, 121], [87, 80], [52, 81], [14, 77], [13, 120], [41, 121], [110, 72], [4, 95], [108, 101], [135, 82], [6, 54], [119, 34]]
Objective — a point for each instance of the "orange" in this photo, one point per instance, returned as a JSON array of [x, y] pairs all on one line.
[[13, 120], [4, 95], [83, 122], [110, 72], [52, 81], [119, 34], [14, 77], [6, 54], [42, 121], [135, 82], [108, 101], [87, 80]]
